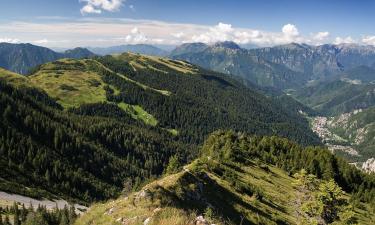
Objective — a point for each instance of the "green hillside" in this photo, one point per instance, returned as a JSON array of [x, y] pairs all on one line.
[[170, 94], [13, 78], [364, 74], [242, 179], [70, 82], [78, 128]]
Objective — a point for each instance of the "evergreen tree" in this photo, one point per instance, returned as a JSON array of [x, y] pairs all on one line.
[[330, 200], [173, 165]]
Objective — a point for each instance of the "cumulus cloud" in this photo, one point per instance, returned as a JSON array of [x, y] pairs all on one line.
[[344, 40], [290, 30], [369, 40], [94, 31], [96, 6], [135, 37], [220, 32], [226, 32]]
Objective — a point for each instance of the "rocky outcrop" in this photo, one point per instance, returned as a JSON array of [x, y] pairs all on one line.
[[369, 166]]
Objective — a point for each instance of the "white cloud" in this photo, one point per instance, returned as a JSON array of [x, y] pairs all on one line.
[[225, 32], [94, 31], [321, 36], [135, 37], [369, 40], [290, 30], [10, 40], [345, 40], [96, 6], [220, 32], [87, 9]]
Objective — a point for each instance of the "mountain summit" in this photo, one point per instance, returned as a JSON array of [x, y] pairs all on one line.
[[227, 44]]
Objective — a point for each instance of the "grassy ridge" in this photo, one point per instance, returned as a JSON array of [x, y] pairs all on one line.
[[70, 82], [224, 185], [178, 199]]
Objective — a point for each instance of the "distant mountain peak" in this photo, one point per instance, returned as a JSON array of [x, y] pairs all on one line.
[[295, 45], [227, 44], [79, 51]]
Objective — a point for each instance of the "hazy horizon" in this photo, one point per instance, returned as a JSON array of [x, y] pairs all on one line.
[[103, 23]]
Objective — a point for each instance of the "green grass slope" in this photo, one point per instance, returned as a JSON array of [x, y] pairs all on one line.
[[73, 83], [14, 78], [238, 180], [70, 82], [181, 197]]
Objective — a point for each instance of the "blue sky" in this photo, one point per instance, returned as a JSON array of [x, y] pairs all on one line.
[[69, 23]]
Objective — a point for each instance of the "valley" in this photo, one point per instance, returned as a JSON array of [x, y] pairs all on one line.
[[122, 112], [137, 114]]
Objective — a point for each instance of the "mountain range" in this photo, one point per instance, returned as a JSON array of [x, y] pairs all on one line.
[[21, 58], [178, 143], [283, 67]]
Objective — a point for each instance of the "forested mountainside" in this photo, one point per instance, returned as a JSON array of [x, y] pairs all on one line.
[[55, 153], [337, 97], [238, 179], [283, 67], [78, 128], [174, 95], [229, 58], [343, 93], [21, 58]]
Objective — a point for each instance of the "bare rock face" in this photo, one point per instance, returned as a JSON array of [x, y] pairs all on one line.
[[369, 165]]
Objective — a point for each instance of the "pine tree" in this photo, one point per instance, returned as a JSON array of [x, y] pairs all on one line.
[[173, 165], [330, 199]]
